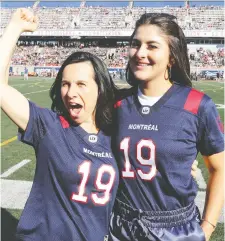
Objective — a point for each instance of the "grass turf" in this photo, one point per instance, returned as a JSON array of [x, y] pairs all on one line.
[[37, 90]]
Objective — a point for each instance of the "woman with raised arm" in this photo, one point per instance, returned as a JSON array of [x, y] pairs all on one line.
[[76, 175]]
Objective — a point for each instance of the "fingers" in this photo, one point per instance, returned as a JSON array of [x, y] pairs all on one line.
[[194, 169], [25, 20], [23, 14], [27, 15], [194, 174], [194, 165], [35, 20], [196, 162]]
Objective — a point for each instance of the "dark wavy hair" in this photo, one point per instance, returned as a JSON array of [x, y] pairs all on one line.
[[180, 70], [106, 90]]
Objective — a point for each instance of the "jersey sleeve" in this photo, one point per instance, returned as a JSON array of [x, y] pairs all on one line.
[[40, 120], [212, 134]]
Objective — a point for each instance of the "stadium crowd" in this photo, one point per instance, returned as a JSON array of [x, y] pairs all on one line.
[[87, 17], [53, 53], [41, 53], [203, 57]]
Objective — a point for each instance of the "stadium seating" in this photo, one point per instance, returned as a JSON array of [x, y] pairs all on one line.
[[53, 53], [49, 54], [205, 17]]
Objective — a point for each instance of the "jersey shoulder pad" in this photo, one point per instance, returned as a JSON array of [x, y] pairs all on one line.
[[193, 101], [123, 94]]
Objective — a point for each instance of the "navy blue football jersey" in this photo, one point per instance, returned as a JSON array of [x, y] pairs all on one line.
[[156, 146], [75, 181]]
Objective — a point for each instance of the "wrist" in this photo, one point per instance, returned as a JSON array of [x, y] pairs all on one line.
[[14, 29], [209, 222], [207, 227]]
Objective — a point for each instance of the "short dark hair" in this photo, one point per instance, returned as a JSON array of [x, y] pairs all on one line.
[[180, 70], [106, 90]]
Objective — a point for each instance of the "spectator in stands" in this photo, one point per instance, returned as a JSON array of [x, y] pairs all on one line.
[[54, 55], [120, 18]]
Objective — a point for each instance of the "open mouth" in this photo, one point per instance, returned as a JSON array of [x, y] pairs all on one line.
[[75, 106], [75, 109]]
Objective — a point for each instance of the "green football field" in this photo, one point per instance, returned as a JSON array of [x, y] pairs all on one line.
[[18, 160]]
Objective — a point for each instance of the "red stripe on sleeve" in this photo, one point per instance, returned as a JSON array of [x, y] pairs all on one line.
[[193, 101], [220, 124], [64, 122], [118, 104]]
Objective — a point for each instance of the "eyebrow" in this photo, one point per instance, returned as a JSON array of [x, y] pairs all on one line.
[[64, 80], [148, 42]]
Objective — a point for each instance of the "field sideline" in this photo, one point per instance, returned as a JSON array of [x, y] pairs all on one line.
[[18, 160]]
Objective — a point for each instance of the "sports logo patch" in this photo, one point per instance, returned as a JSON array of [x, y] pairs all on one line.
[[93, 138], [106, 238], [145, 110]]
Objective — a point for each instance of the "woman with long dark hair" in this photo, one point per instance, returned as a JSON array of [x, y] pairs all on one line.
[[76, 176], [161, 125]]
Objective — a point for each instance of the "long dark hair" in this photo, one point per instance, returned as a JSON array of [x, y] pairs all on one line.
[[180, 70], [106, 90]]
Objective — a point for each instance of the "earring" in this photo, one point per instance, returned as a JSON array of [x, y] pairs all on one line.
[[167, 74], [170, 73]]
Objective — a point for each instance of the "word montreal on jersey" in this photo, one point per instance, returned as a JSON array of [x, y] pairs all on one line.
[[98, 154], [143, 127]]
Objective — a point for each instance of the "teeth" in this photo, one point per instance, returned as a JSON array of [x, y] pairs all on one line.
[[142, 64]]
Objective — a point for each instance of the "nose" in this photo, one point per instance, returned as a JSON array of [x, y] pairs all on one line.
[[72, 90], [141, 52]]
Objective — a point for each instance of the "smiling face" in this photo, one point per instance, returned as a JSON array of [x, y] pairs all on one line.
[[149, 54], [79, 91]]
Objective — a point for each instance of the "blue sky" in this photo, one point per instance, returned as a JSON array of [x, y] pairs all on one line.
[[107, 3]]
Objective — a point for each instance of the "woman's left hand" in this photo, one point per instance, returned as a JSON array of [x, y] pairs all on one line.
[[194, 169]]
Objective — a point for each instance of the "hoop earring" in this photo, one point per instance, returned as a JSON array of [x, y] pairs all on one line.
[[167, 74], [170, 73]]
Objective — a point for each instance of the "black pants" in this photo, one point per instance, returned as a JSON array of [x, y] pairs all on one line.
[[128, 224]]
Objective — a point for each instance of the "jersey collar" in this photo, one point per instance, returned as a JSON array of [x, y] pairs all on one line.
[[148, 110]]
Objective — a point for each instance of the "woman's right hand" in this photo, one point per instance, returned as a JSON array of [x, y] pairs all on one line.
[[24, 20]]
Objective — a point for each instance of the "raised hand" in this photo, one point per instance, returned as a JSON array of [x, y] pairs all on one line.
[[24, 20]]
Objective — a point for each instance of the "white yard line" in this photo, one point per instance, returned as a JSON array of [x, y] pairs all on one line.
[[14, 168], [30, 83], [214, 90], [35, 92], [220, 106], [18, 85], [14, 193], [220, 85]]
